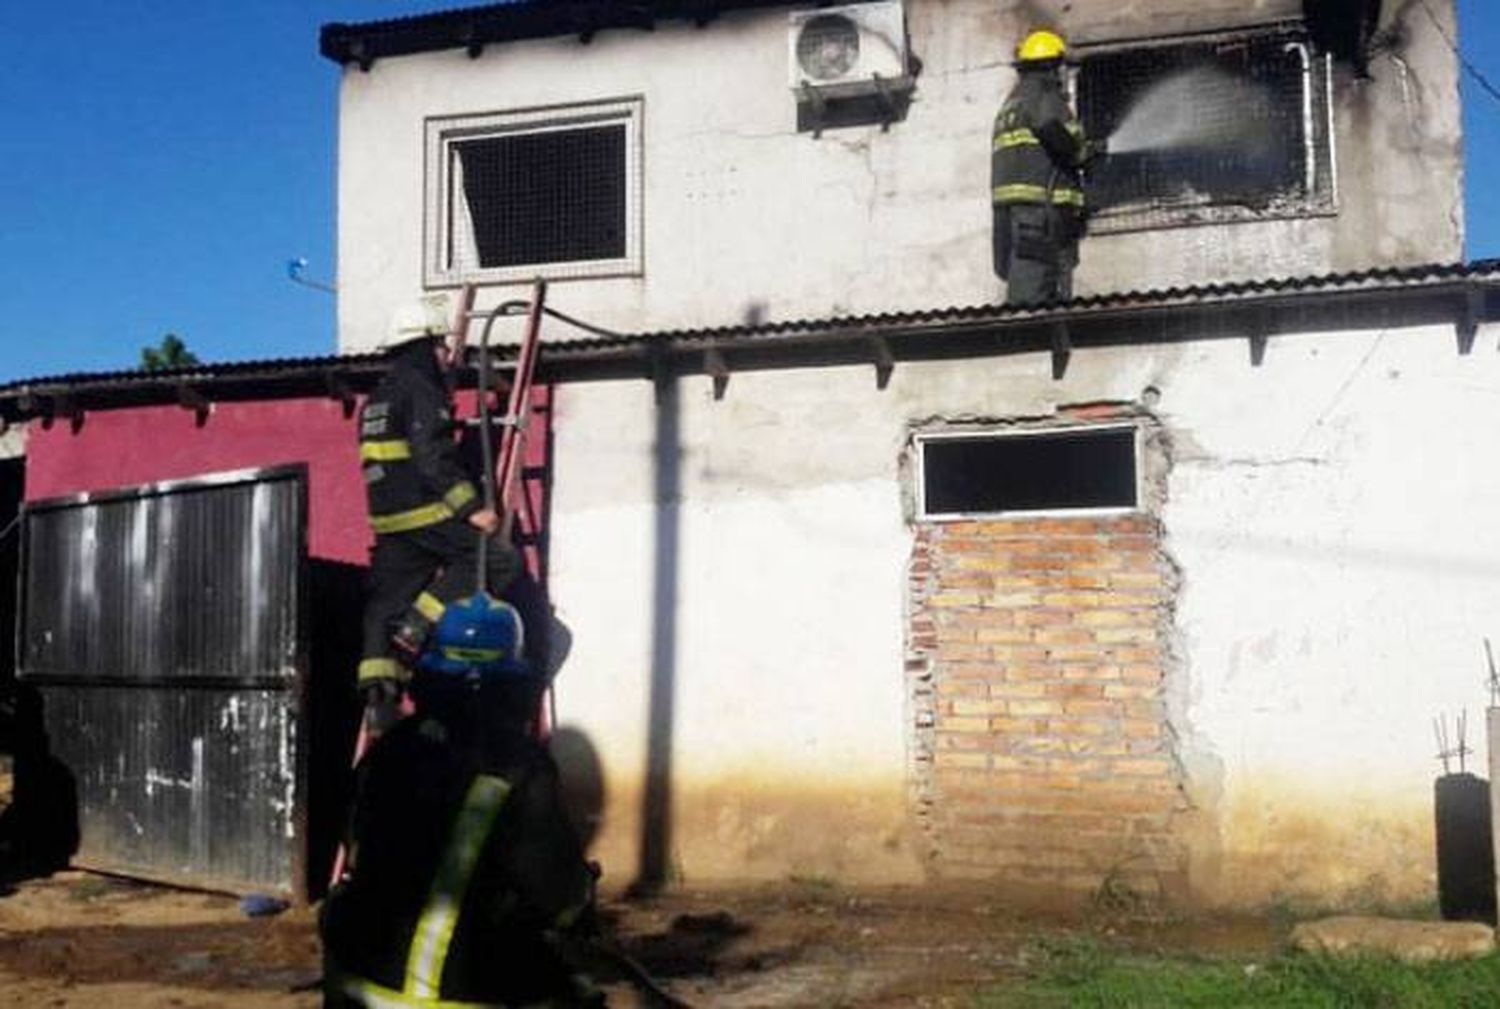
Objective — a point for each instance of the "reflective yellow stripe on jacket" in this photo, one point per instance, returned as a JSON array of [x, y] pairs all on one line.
[[414, 518], [434, 933], [371, 670], [1014, 138], [389, 450], [1026, 192], [459, 495]]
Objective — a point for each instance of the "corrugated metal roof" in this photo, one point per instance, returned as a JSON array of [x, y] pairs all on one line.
[[473, 28], [1383, 296]]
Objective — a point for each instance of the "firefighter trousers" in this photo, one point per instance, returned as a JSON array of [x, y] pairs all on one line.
[[1035, 251], [415, 574]]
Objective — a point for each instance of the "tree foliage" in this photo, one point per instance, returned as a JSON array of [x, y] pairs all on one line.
[[170, 353]]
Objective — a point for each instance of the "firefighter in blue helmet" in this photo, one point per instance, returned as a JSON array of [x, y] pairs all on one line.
[[1037, 155], [426, 513], [467, 884]]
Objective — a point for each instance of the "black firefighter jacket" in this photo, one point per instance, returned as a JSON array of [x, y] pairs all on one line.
[[1038, 149], [459, 877], [412, 473]]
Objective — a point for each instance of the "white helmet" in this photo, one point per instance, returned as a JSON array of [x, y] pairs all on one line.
[[425, 317]]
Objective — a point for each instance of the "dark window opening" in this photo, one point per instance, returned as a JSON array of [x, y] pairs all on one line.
[[1238, 124], [1047, 471], [550, 197]]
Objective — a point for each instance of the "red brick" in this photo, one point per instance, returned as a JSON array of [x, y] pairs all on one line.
[[1009, 690], [1089, 673], [1102, 709], [1010, 600], [1159, 767], [965, 706], [1042, 618], [963, 733], [1071, 654], [963, 688], [1080, 727], [961, 760], [976, 618], [1109, 618], [1125, 635], [1018, 763], [984, 562], [1141, 710], [1019, 726], [1077, 581], [1013, 581], [977, 670], [1035, 707], [1063, 636], [1031, 673], [1075, 766], [1018, 652], [1135, 580], [950, 599], [1124, 692], [961, 580], [1075, 690]]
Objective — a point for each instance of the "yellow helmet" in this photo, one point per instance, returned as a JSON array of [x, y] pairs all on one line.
[[1041, 46]]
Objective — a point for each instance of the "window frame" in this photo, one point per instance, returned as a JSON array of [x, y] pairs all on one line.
[[444, 210], [921, 439], [1320, 164]]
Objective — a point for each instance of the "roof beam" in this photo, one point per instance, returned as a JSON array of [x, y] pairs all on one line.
[[715, 364], [883, 359]]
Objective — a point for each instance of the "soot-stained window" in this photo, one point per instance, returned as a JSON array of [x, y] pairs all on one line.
[[1208, 130], [1078, 469], [515, 196]]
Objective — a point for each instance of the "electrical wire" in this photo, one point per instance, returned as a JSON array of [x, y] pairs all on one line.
[[10, 527], [1463, 60]]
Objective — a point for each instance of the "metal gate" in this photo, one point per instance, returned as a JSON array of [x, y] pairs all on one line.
[[163, 627]]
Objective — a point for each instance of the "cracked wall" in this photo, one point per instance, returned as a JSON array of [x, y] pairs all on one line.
[[1327, 560]]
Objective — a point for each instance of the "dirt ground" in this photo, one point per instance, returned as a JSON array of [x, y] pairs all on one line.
[[82, 940]]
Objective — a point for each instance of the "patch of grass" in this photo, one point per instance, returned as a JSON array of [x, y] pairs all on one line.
[[1082, 974]]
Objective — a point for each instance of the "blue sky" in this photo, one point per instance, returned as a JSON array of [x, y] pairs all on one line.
[[160, 162]]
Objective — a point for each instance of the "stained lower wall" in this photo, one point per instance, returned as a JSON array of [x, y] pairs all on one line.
[[739, 575]]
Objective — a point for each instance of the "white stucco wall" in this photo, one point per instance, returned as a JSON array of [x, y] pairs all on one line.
[[13, 442], [1329, 510], [745, 218]]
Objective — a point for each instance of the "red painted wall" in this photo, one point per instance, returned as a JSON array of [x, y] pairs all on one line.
[[119, 448]]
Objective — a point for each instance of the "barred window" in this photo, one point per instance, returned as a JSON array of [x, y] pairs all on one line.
[[552, 193], [1208, 130]]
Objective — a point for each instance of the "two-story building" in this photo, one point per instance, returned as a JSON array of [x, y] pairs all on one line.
[[872, 578]]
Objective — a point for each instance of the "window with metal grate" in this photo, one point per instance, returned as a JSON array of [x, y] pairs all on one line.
[[1208, 130], [552, 193]]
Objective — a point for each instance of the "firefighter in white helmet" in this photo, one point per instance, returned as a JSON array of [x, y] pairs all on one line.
[[425, 510]]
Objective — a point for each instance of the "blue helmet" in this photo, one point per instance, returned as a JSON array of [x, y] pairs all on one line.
[[480, 637]]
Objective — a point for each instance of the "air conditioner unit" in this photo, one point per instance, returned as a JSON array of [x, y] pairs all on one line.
[[848, 50]]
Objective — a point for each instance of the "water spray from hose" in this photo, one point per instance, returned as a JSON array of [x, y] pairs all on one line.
[[1202, 107]]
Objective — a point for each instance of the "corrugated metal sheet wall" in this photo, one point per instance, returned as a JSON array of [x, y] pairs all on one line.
[[163, 626]]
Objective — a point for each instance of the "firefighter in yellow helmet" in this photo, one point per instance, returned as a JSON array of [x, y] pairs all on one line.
[[1037, 155]]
